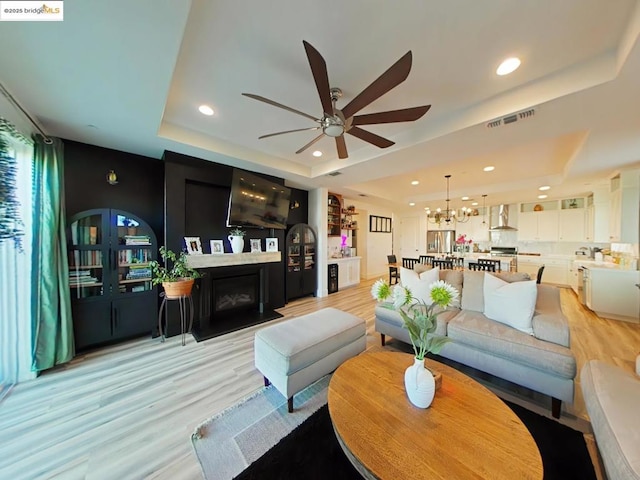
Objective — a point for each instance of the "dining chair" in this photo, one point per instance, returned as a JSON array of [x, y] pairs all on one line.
[[457, 261], [410, 262], [487, 261], [486, 267], [426, 259], [539, 277], [393, 269], [443, 264]]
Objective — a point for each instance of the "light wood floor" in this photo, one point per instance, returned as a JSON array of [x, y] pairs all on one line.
[[128, 411]]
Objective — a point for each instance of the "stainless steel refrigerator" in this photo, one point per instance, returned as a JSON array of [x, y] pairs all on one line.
[[441, 241]]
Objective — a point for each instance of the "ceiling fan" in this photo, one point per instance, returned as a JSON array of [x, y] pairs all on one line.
[[336, 122]]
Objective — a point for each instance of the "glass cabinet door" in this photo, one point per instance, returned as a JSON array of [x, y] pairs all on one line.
[[88, 250], [134, 251]]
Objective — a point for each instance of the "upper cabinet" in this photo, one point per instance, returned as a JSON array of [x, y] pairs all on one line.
[[339, 217], [538, 222], [572, 220], [624, 207]]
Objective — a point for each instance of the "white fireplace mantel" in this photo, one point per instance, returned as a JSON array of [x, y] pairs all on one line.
[[230, 259]]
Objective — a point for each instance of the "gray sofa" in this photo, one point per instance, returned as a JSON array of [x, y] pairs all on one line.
[[542, 362], [611, 396]]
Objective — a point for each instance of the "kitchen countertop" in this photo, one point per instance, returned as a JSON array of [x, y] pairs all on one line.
[[592, 264]]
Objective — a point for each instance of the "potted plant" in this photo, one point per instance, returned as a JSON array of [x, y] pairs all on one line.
[[176, 280], [420, 319], [236, 239]]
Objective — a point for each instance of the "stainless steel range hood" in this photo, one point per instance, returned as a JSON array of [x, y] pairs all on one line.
[[503, 219]]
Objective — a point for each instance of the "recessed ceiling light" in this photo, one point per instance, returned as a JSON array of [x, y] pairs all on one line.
[[508, 66], [415, 182], [544, 187], [474, 204], [412, 204], [489, 168], [542, 196], [317, 153], [465, 198], [205, 110]]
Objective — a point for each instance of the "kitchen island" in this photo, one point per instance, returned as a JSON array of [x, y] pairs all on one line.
[[610, 290]]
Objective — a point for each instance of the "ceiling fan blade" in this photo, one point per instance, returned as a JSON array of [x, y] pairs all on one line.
[[376, 140], [288, 131], [392, 116], [310, 143], [279, 105], [395, 75], [341, 145], [320, 75]]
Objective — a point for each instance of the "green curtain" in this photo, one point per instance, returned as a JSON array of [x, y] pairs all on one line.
[[52, 332]]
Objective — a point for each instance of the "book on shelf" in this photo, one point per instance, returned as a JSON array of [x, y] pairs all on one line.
[[137, 240], [93, 235]]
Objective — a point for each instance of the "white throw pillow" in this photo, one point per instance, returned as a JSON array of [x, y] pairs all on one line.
[[510, 303], [419, 284]]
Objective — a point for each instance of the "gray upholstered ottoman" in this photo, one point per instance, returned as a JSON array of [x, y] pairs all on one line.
[[293, 354]]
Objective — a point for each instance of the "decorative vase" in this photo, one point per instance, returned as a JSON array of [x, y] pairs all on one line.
[[237, 243], [419, 384]]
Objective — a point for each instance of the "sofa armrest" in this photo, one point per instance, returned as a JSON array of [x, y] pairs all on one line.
[[549, 323]]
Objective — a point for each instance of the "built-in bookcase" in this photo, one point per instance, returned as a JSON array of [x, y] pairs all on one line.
[[109, 276]]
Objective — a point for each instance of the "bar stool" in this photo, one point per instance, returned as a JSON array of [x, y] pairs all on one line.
[[182, 302]]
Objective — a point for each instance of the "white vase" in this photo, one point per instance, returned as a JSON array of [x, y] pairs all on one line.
[[237, 243], [419, 384]]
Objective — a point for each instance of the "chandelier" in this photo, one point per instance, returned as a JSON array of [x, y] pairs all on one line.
[[448, 215]]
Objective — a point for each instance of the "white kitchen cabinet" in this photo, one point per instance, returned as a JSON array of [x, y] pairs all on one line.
[[555, 269], [624, 222], [597, 217], [538, 226], [474, 229], [571, 225], [613, 293], [348, 271]]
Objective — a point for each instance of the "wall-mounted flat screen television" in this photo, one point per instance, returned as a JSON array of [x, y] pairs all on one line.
[[256, 202]]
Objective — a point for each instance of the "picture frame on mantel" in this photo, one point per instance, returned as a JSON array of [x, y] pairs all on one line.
[[194, 246], [255, 245], [272, 244], [217, 247]]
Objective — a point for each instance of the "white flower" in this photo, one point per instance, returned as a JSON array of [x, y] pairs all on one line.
[[442, 293], [401, 296], [380, 290]]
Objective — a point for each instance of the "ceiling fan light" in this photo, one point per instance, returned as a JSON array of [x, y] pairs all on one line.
[[334, 130]]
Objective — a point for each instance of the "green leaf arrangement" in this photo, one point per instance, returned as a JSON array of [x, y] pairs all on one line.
[[420, 318]]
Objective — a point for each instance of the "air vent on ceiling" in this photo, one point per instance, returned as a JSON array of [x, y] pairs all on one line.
[[511, 118], [334, 174]]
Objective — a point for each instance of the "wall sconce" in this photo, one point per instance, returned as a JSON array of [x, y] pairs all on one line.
[[112, 178], [295, 204]]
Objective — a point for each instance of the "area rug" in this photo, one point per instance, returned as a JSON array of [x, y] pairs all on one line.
[[230, 441], [311, 450]]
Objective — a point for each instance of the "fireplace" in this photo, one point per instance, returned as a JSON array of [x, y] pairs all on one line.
[[237, 293], [230, 298]]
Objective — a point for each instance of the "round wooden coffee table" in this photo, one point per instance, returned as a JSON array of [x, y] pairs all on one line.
[[466, 433]]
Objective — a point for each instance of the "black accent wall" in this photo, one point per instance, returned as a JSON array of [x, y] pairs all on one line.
[[140, 188], [196, 193]]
